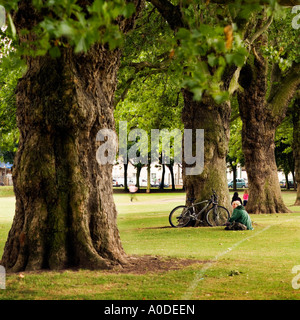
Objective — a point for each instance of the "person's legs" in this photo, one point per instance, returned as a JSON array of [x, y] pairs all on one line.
[[236, 226]]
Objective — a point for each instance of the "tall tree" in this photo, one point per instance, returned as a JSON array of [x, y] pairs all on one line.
[[208, 55], [296, 145], [263, 106], [65, 214], [211, 53]]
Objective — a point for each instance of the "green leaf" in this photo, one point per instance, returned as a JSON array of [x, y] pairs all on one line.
[[229, 58], [183, 34], [207, 30], [197, 93], [81, 45], [65, 29], [128, 10], [237, 58], [219, 44], [221, 97], [212, 60], [54, 52], [38, 4]]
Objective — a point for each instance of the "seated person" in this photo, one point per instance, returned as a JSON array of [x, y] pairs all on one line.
[[240, 219], [235, 198]]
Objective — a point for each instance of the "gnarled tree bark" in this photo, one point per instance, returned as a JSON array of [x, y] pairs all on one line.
[[215, 120], [65, 213], [261, 116], [296, 146], [207, 115]]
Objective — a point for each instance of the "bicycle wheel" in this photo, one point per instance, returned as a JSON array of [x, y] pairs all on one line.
[[217, 216], [179, 217]]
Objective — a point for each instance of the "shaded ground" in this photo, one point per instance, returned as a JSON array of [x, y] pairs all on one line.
[[136, 265], [155, 264]]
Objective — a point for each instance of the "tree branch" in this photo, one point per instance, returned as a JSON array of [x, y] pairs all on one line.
[[170, 12], [259, 32], [140, 67], [288, 87], [125, 91], [234, 117], [275, 80]]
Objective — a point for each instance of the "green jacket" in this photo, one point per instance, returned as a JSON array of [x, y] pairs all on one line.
[[239, 214]]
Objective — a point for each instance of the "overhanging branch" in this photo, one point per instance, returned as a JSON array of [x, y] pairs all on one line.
[[170, 12], [259, 32], [144, 69], [285, 92]]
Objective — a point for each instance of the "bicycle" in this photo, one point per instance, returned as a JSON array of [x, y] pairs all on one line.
[[216, 215]]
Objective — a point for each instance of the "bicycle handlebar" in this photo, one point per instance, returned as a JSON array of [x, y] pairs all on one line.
[[214, 197]]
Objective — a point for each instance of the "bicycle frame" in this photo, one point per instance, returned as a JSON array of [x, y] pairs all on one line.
[[213, 200], [209, 202], [212, 213]]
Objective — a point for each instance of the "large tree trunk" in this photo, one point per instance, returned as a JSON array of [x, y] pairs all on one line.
[[215, 120], [258, 133], [65, 214], [296, 146], [258, 147], [263, 104]]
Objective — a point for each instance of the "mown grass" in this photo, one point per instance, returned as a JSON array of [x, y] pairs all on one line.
[[242, 265], [6, 191]]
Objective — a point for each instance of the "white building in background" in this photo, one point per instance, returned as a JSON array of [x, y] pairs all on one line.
[[241, 173], [5, 174], [156, 175]]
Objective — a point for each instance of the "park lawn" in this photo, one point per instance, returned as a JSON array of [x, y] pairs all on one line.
[[229, 264], [6, 191]]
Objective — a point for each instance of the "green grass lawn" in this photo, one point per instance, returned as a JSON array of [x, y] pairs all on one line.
[[234, 264], [6, 192]]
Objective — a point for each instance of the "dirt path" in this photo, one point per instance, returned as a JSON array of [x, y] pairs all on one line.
[[156, 201]]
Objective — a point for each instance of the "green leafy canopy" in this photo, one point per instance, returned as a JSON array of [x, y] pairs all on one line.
[[80, 26]]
